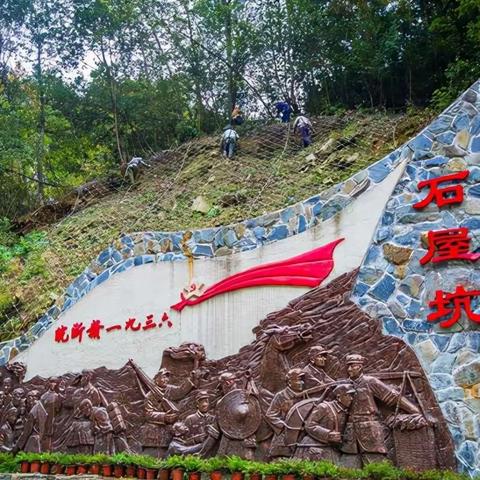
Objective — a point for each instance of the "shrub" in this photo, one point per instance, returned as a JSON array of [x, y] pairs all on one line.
[[382, 471], [214, 464], [174, 461], [192, 463]]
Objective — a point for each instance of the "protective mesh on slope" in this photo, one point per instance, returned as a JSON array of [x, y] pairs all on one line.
[[270, 170]]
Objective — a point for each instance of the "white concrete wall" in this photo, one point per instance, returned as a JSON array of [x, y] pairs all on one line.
[[224, 323]]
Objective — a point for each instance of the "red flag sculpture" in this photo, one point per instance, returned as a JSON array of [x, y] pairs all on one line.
[[305, 270]]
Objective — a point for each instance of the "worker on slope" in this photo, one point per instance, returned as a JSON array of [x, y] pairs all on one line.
[[284, 110], [229, 141], [133, 168], [303, 126], [237, 116]]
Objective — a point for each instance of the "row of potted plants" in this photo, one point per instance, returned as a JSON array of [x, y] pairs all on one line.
[[180, 467]]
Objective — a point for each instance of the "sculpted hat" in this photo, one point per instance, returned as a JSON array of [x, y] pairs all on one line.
[[295, 373], [163, 372], [343, 388], [201, 395], [355, 358], [318, 350], [225, 377]]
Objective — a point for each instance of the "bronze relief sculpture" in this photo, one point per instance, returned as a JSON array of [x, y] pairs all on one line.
[[320, 381]]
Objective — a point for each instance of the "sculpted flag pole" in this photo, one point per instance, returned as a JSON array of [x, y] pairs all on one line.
[[307, 270]]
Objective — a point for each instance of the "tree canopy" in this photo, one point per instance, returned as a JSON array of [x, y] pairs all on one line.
[[86, 84]]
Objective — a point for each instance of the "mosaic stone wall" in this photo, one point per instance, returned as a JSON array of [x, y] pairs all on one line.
[[393, 286], [148, 247]]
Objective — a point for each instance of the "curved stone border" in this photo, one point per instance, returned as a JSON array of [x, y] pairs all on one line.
[[149, 247], [394, 287]]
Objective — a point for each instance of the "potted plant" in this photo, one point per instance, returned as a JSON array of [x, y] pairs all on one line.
[[94, 462], [175, 464], [106, 462], [215, 467], [150, 464], [143, 461], [60, 461], [119, 461], [254, 470], [325, 470], [24, 459], [82, 463], [70, 464], [163, 471], [307, 470], [34, 463], [193, 466], [236, 466], [289, 468], [131, 465], [45, 459], [271, 471]]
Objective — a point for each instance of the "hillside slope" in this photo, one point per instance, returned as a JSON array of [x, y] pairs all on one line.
[[193, 186]]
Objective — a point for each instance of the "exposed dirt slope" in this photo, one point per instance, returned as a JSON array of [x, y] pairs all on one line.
[[270, 171]]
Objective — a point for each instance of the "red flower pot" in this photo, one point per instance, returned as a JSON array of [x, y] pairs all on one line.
[[45, 468], [57, 469], [82, 469], [271, 476], [94, 469], [177, 474], [35, 466], [194, 476], [141, 473], [308, 477], [152, 473], [25, 467], [237, 476], [164, 474], [107, 470], [289, 476], [216, 475], [255, 476], [118, 471], [131, 471], [70, 469]]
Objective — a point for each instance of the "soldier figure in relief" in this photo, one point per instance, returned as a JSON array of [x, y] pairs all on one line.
[[180, 442], [198, 422], [237, 419], [281, 404], [34, 426], [365, 431], [159, 415], [86, 390], [7, 388], [315, 374], [325, 426], [7, 433], [80, 437], [52, 403]]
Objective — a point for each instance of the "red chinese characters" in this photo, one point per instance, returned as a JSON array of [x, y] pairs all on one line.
[[61, 335], [450, 244], [150, 323], [130, 325], [451, 305], [96, 327], [77, 332], [94, 330], [446, 195]]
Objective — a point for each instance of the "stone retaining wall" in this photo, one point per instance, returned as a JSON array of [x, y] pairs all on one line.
[[394, 287]]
